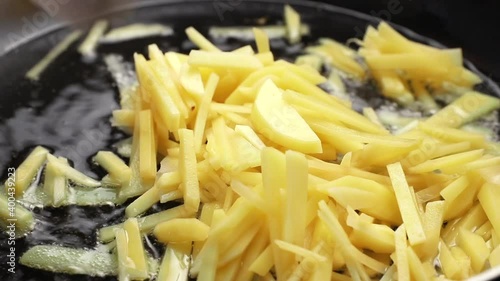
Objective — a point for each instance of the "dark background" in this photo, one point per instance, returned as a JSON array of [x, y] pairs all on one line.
[[470, 24]]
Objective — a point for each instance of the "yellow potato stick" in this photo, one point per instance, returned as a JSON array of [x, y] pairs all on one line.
[[147, 148], [173, 266], [366, 235], [324, 269], [489, 195], [147, 223], [55, 185], [191, 81], [123, 118], [494, 258], [224, 149], [393, 86], [409, 211], [207, 212], [433, 221], [249, 134], [249, 194], [188, 170], [222, 107], [484, 230], [263, 264], [173, 152], [339, 59], [273, 179], [292, 22], [353, 257], [238, 248], [175, 61], [452, 135], [448, 262], [278, 173], [171, 196], [122, 253], [166, 78], [342, 115], [181, 230], [28, 168], [299, 251], [279, 122], [247, 49], [303, 270], [340, 277], [230, 242], [254, 81], [114, 165], [200, 40], [332, 171], [265, 58], [228, 271], [234, 118], [89, 44], [134, 188], [168, 182], [35, 72], [475, 247], [408, 61], [463, 202], [370, 113], [494, 241], [346, 189], [448, 164], [448, 149], [156, 54], [262, 40], [248, 178], [201, 117], [135, 253], [224, 61], [257, 246], [454, 189], [346, 160], [209, 261], [417, 271], [166, 109], [343, 48], [474, 218], [71, 173], [463, 261], [401, 261], [467, 108], [305, 72], [143, 202], [423, 96], [296, 198]]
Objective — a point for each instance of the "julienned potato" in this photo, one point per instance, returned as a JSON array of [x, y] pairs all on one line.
[[252, 142]]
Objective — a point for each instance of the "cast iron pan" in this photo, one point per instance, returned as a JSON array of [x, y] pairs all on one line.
[[69, 109]]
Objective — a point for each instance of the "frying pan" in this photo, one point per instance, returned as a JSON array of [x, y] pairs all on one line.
[[68, 110]]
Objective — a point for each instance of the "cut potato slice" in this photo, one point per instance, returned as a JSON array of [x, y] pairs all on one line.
[[281, 123]]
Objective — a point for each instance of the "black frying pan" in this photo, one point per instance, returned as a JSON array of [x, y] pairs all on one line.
[[69, 109]]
